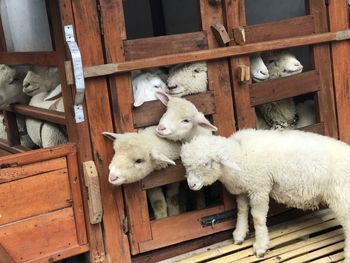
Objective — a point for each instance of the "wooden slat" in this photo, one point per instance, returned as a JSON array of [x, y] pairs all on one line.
[[322, 63], [4, 146], [315, 128], [294, 27], [187, 226], [145, 47], [3, 47], [13, 136], [4, 255], [169, 175], [331, 258], [212, 54], [38, 192], [338, 20], [39, 236], [29, 58], [281, 88], [150, 112], [38, 113], [37, 155], [19, 172], [61, 14]]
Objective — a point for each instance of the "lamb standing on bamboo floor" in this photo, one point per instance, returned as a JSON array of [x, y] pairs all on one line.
[[139, 154], [280, 114], [296, 168], [182, 122]]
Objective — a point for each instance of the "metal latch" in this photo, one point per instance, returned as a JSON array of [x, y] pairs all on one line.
[[77, 72], [218, 218]]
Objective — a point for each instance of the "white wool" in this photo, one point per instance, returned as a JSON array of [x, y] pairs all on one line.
[[296, 168], [188, 79], [306, 113], [258, 69], [42, 133], [146, 84]]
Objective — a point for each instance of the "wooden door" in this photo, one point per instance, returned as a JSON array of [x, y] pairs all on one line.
[[146, 234], [42, 216]]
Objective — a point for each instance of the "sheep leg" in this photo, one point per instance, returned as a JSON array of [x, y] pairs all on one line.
[[158, 203], [172, 198], [242, 226], [259, 207]]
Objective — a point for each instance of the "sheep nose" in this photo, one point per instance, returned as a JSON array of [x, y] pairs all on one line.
[[172, 87], [113, 177], [26, 85], [297, 64], [161, 127]]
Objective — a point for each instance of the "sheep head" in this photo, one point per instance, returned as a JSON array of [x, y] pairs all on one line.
[[10, 87], [40, 79], [205, 159], [134, 158], [282, 64], [188, 79], [258, 69], [181, 119], [144, 87]]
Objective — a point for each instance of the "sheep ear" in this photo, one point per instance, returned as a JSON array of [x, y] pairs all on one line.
[[112, 136], [156, 155], [228, 162], [139, 97], [203, 122], [163, 97]]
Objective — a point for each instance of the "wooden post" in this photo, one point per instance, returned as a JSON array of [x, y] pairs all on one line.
[[339, 19], [5, 256]]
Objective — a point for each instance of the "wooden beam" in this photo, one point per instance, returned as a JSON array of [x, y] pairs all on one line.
[[282, 88], [44, 58], [212, 54]]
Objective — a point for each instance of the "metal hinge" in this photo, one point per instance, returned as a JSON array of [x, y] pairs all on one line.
[[101, 21], [218, 218]]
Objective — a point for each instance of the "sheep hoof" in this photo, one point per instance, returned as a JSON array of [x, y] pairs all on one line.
[[238, 242], [260, 251], [238, 237]]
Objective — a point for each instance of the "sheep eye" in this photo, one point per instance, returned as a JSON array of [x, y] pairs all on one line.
[[139, 161], [186, 120], [156, 86], [196, 70]]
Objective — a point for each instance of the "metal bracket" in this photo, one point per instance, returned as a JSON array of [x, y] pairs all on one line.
[[77, 72], [217, 218]]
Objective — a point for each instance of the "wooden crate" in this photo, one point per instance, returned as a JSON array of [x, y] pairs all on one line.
[[42, 215]]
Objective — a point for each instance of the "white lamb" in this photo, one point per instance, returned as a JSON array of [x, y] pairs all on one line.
[[258, 69], [296, 168], [11, 92], [280, 114], [146, 84], [182, 122], [139, 154], [188, 79]]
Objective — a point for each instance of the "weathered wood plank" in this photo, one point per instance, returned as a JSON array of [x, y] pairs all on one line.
[[145, 47], [18, 172], [46, 192], [13, 136], [338, 20], [150, 112], [277, 89], [38, 113], [38, 236], [294, 27], [4, 255], [44, 58], [187, 226]]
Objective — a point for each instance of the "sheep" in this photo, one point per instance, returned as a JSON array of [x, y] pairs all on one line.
[[306, 113], [42, 133], [11, 92], [280, 114], [146, 84], [188, 79], [307, 170], [258, 69], [137, 154], [182, 122]]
